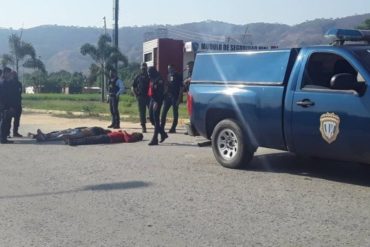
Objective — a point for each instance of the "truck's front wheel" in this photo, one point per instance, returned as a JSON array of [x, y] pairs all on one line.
[[230, 145]]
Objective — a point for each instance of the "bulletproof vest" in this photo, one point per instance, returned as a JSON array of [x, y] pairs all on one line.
[[112, 87], [158, 88], [174, 84], [143, 85]]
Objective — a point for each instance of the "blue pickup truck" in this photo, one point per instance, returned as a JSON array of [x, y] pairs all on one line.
[[312, 101]]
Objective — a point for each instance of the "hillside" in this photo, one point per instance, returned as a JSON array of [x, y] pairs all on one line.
[[59, 46]]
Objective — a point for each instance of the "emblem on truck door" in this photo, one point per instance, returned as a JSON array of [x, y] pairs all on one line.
[[329, 127]]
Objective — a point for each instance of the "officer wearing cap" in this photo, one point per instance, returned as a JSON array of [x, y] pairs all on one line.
[[140, 89]]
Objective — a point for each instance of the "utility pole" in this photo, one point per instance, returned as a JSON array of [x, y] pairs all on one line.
[[104, 83], [20, 41], [105, 25], [115, 31]]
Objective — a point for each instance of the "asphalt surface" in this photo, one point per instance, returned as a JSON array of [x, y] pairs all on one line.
[[174, 194]]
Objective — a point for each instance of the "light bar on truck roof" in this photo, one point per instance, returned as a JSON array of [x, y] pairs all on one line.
[[342, 35]]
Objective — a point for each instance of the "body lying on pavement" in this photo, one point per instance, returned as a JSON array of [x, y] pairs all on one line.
[[108, 138], [79, 132]]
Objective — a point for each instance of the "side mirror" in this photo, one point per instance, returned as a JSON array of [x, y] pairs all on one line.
[[343, 81]]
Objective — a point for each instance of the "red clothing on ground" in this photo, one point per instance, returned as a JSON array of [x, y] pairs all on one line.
[[117, 137]]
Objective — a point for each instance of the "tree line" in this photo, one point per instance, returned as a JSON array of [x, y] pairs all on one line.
[[23, 55], [104, 55]]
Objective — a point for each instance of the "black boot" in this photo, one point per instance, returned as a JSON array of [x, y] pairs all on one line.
[[117, 125], [164, 136], [153, 142], [143, 127], [16, 134]]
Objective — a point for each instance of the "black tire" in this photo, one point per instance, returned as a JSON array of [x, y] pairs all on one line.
[[230, 145]]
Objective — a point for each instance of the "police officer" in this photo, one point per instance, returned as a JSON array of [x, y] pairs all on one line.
[[115, 89], [5, 106], [140, 89], [172, 97], [16, 93], [2, 108], [189, 68], [156, 93], [186, 84]]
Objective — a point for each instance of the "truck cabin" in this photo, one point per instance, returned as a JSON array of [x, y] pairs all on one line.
[[330, 71]]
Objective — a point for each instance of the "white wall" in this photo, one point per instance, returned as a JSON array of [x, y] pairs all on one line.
[[148, 47]]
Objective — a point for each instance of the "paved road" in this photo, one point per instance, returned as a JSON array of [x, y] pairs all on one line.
[[174, 195]]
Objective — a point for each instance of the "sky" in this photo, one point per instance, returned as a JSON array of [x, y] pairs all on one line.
[[89, 13]]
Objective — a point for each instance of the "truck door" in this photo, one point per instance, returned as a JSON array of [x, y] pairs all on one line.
[[329, 119]]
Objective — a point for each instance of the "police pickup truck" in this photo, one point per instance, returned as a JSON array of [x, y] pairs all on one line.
[[312, 101]]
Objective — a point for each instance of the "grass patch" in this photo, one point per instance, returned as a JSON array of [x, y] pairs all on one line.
[[70, 97], [89, 104]]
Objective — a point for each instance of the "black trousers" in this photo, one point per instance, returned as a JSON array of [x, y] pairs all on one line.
[[154, 113], [143, 103], [167, 104], [91, 140], [17, 119], [113, 106], [5, 118], [3, 135]]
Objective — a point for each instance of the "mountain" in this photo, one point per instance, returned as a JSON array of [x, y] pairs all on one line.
[[59, 46]]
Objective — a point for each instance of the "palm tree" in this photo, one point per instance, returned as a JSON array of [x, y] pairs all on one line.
[[105, 55], [94, 73], [35, 63], [19, 50], [6, 60]]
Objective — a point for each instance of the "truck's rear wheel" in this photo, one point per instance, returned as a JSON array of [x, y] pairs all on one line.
[[230, 145]]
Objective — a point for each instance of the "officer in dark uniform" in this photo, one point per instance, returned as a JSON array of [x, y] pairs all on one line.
[[6, 110], [172, 97], [156, 93], [2, 108], [189, 68], [115, 89], [16, 92], [186, 84], [140, 89]]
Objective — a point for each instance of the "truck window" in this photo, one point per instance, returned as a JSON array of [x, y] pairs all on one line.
[[268, 67], [322, 67]]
